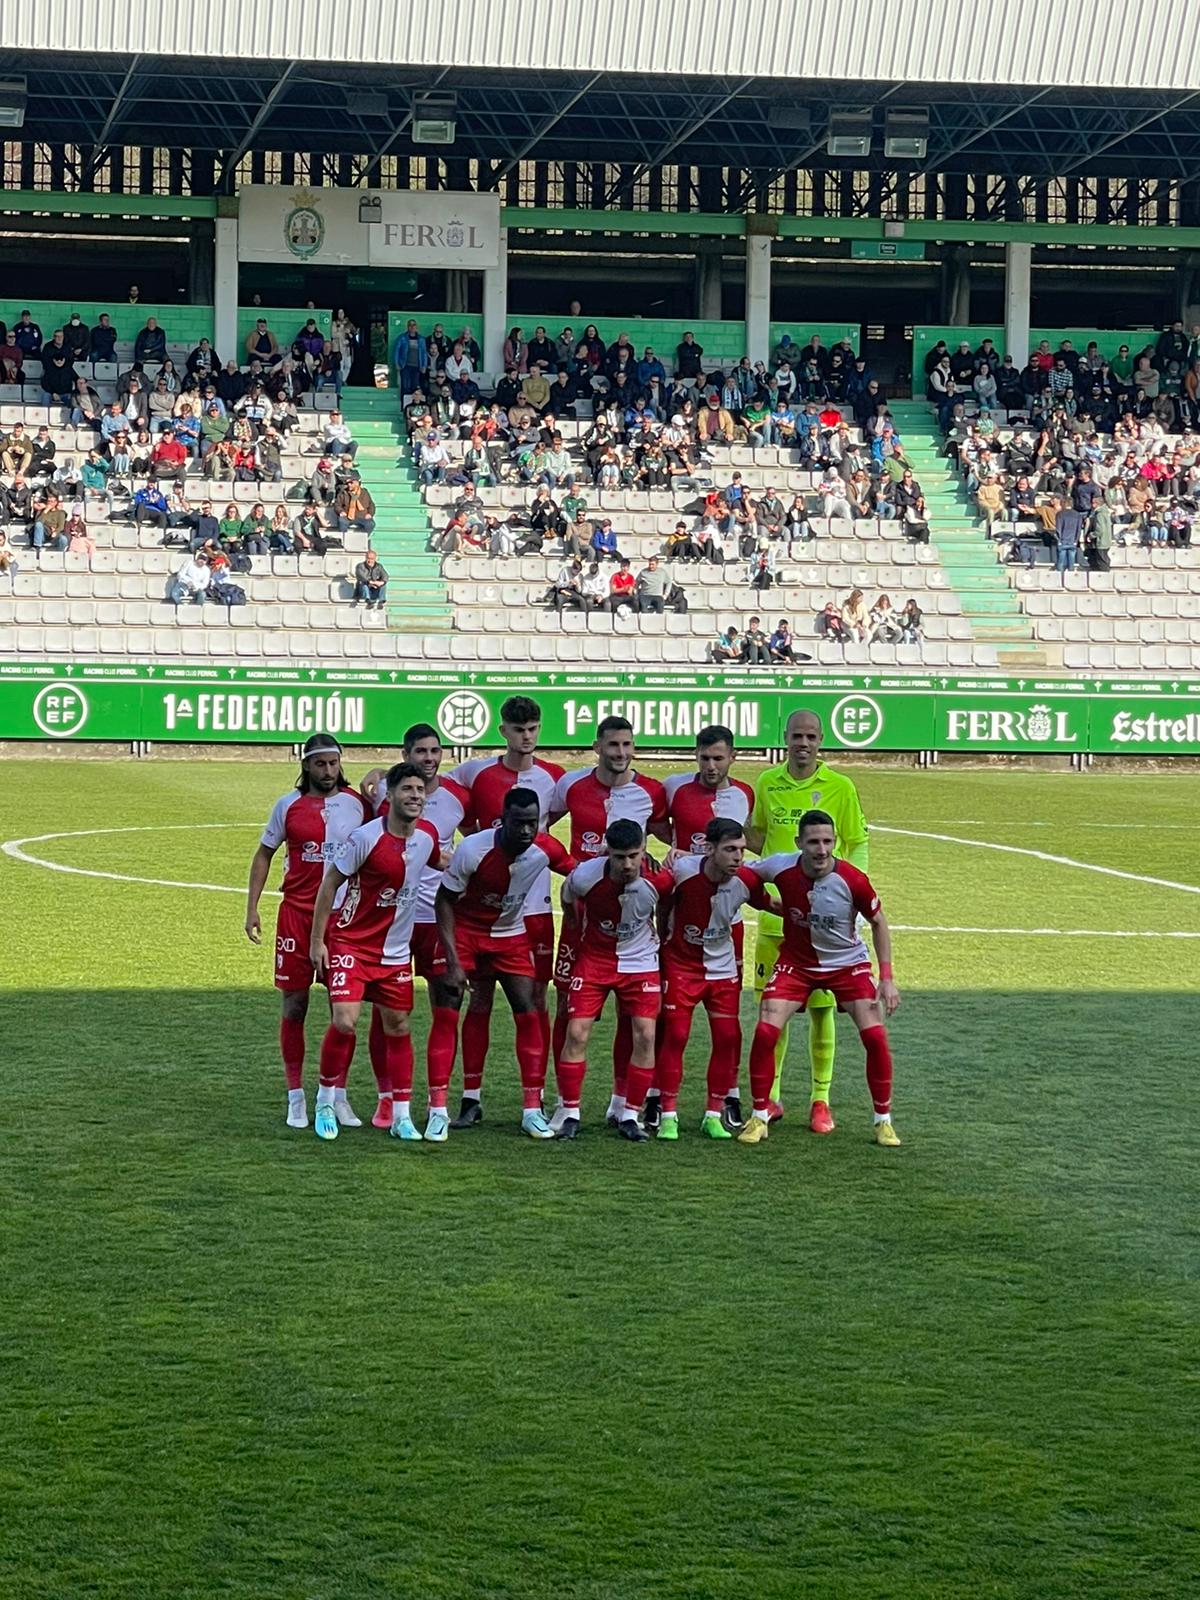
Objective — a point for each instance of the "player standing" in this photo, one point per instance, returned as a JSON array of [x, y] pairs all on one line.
[[310, 821], [615, 900], [480, 910], [783, 795], [702, 965], [368, 955], [822, 899], [592, 798], [447, 809], [693, 800], [487, 781]]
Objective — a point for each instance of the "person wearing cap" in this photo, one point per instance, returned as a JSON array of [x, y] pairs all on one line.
[[169, 457], [353, 506], [434, 459]]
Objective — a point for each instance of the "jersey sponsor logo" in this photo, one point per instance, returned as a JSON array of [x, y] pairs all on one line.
[[288, 945], [698, 843], [591, 843], [314, 853], [652, 988], [396, 897]]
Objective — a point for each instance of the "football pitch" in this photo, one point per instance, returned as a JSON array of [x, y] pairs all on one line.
[[243, 1364]]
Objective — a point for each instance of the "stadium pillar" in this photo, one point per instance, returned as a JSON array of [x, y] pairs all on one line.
[[758, 297], [708, 281], [495, 309], [225, 287], [1018, 272]]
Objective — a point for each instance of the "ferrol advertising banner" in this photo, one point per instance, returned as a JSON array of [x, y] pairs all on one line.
[[373, 706], [410, 228]]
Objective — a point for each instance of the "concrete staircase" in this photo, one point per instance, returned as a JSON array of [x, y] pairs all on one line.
[[417, 596], [988, 600]]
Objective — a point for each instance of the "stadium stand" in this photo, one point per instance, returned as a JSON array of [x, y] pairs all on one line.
[[796, 489]]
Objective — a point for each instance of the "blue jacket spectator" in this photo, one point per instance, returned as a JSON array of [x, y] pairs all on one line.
[[650, 367], [604, 541], [27, 335]]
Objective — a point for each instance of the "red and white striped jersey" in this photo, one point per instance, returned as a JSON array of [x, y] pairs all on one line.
[[819, 913], [487, 780], [592, 805], [312, 826], [494, 886], [447, 810], [618, 930], [691, 806], [374, 911], [703, 915]]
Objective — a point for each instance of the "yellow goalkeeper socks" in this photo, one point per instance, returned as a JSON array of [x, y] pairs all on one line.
[[822, 1042]]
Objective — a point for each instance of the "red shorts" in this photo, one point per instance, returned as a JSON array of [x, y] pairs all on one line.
[[428, 957], [293, 937], [564, 961], [638, 994], [684, 990], [790, 982], [351, 979], [539, 930], [482, 955]]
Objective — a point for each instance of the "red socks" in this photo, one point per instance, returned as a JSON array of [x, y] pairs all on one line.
[[570, 1075], [622, 1051], [531, 1059], [398, 1049], [762, 1063], [879, 1068], [673, 1038], [377, 1043], [723, 1062], [476, 1035], [291, 1048], [337, 1052], [440, 1052], [558, 1037]]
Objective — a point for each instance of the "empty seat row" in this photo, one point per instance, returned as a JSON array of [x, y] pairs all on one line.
[[1108, 604], [1033, 580], [1119, 630]]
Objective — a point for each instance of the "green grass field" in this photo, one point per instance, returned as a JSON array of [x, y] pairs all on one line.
[[242, 1364]]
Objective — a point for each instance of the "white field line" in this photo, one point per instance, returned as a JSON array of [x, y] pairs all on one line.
[[1042, 855], [14, 848]]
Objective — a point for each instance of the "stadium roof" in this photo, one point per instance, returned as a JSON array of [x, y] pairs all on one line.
[[1029, 88]]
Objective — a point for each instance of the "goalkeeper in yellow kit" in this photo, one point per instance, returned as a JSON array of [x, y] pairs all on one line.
[[782, 795]]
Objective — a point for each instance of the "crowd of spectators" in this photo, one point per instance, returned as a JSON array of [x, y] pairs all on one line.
[[1088, 454]]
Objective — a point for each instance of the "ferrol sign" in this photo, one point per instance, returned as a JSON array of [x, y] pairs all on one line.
[[206, 704], [414, 228]]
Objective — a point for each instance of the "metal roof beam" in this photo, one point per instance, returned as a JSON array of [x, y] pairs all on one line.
[[544, 127], [1128, 133], [229, 165], [669, 149]]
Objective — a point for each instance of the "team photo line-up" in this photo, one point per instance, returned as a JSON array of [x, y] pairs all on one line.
[[376, 892]]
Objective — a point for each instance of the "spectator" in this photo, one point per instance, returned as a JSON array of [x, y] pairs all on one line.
[[17, 452], [782, 643], [169, 457], [338, 439], [604, 542], [688, 356], [535, 390], [86, 410], [308, 345], [410, 357], [434, 460], [95, 475], [49, 526], [191, 582], [327, 369], [855, 617], [541, 352], [261, 345], [370, 582], [595, 588], [27, 335], [255, 531], [161, 406], [354, 507], [79, 540], [834, 501], [516, 351], [203, 362], [910, 503], [558, 470], [8, 564], [150, 345], [149, 504], [567, 588], [653, 582], [756, 647], [58, 370], [760, 569], [279, 538], [911, 622], [12, 358], [104, 340], [16, 501], [830, 624], [1068, 532], [884, 623], [231, 385], [681, 546], [621, 587], [726, 646], [76, 337], [229, 529], [989, 497]]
